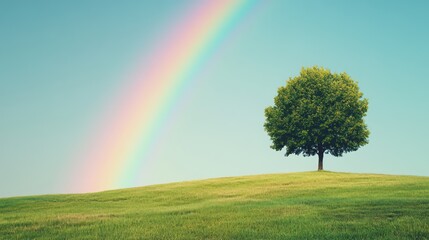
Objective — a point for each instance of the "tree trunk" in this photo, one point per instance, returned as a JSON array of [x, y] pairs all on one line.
[[320, 161]]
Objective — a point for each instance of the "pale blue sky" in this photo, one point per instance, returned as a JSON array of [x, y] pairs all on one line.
[[60, 61]]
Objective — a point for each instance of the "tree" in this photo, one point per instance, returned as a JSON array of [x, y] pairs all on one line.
[[318, 112]]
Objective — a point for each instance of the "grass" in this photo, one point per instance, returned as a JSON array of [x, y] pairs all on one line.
[[311, 205]]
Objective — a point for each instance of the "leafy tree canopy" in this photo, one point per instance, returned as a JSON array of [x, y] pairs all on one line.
[[318, 112]]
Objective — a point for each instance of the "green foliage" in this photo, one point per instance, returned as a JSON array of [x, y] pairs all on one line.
[[317, 112], [277, 206]]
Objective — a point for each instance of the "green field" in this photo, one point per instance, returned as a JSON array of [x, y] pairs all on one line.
[[311, 205]]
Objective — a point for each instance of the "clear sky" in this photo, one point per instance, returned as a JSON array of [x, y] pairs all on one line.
[[61, 61]]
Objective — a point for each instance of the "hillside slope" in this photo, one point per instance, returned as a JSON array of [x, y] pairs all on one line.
[[311, 205]]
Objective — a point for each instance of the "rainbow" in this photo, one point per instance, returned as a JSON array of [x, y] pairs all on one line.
[[124, 141]]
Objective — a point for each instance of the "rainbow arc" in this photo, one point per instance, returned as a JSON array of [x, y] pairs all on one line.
[[122, 145]]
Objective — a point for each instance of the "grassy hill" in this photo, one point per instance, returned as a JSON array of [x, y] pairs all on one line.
[[311, 205]]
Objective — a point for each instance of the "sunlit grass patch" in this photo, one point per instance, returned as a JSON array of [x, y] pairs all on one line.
[[310, 205]]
